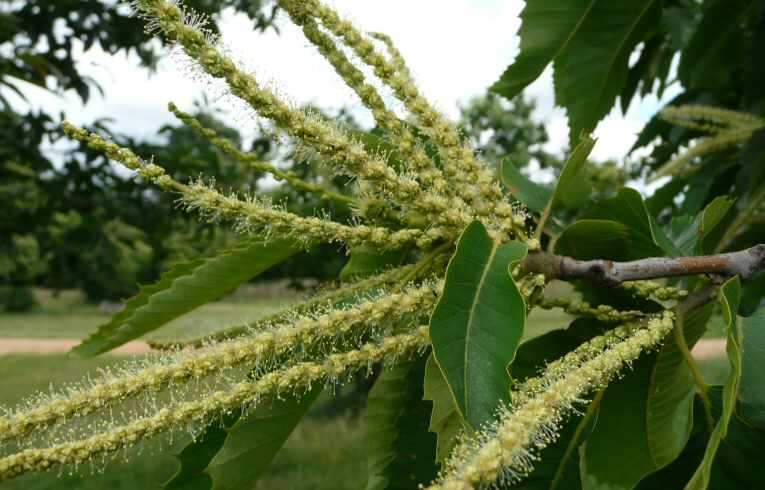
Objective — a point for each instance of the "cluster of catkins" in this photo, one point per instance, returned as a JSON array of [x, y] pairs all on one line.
[[420, 203]]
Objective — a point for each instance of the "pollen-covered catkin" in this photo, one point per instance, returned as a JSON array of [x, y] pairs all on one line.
[[474, 181], [336, 327], [254, 215], [308, 129], [414, 157], [244, 394], [323, 300], [256, 162], [502, 452]]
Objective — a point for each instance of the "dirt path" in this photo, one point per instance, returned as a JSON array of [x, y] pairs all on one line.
[[704, 349], [49, 346]]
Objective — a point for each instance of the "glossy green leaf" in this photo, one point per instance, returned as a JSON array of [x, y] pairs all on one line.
[[478, 322], [445, 419], [547, 26], [253, 441], [689, 234], [401, 453], [366, 261], [730, 294], [574, 187], [592, 70], [752, 392], [650, 409], [604, 239], [616, 228], [739, 453], [530, 193], [186, 286]]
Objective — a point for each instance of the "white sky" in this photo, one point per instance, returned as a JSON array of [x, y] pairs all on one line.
[[455, 49]]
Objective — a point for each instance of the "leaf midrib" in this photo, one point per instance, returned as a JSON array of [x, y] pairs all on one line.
[[476, 300]]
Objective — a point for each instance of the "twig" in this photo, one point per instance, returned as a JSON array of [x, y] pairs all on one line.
[[745, 263]]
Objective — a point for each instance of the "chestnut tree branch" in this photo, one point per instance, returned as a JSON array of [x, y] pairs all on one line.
[[746, 263]]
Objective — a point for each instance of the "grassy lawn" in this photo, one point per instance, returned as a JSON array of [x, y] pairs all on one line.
[[68, 317]]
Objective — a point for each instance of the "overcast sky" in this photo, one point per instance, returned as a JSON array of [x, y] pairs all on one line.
[[455, 49]]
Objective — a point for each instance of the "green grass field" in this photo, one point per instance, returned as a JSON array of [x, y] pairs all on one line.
[[323, 452]]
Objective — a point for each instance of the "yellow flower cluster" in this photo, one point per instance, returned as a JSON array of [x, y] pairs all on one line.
[[252, 214], [653, 289], [474, 182], [336, 327], [604, 313], [504, 450], [245, 393]]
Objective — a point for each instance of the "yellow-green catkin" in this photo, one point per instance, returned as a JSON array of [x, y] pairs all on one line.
[[300, 376], [251, 215], [253, 160], [653, 289], [413, 156], [336, 327], [308, 129], [725, 128], [558, 368], [473, 181], [325, 299], [603, 313], [504, 452]]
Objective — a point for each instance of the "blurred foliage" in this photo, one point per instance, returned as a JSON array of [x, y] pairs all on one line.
[[500, 129], [78, 223]]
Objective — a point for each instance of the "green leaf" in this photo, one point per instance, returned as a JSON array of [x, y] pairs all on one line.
[[255, 439], [711, 54], [235, 455], [730, 294], [186, 286], [752, 391], [592, 70], [523, 189], [366, 261], [689, 234], [401, 453], [478, 322], [739, 455], [616, 228], [445, 420], [650, 409], [574, 187], [196, 455], [604, 239], [547, 28]]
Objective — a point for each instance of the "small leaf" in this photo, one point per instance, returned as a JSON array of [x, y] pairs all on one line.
[[547, 27], [574, 187], [186, 286], [523, 189], [478, 322], [730, 294], [253, 441], [591, 239], [445, 420], [401, 453]]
